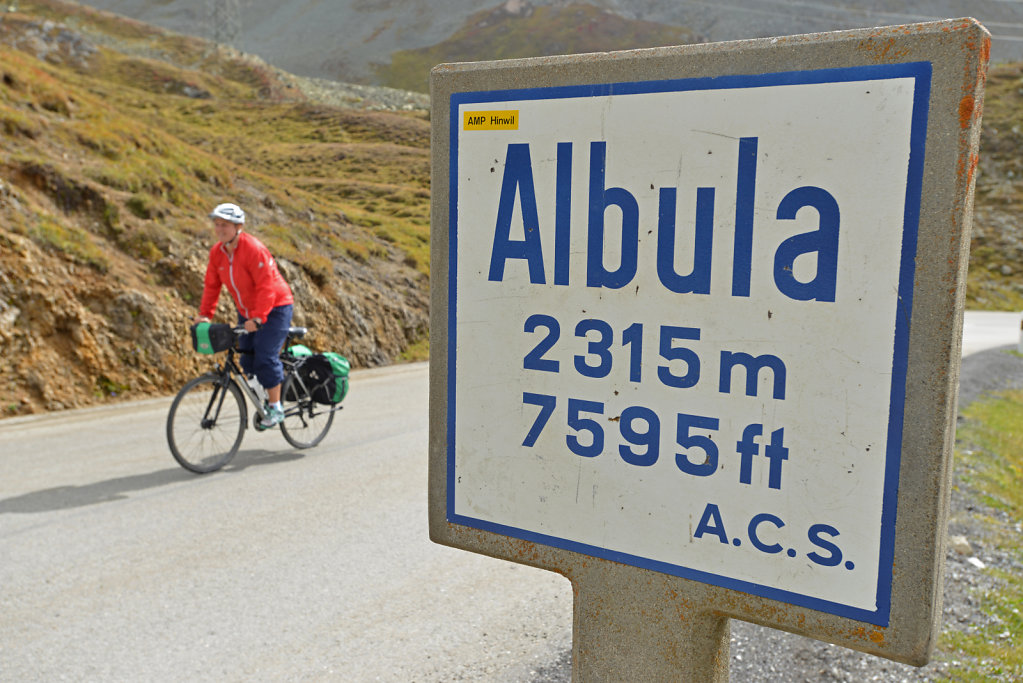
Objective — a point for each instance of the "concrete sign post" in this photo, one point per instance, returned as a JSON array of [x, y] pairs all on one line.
[[695, 334]]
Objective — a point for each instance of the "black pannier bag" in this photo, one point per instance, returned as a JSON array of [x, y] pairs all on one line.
[[210, 338], [325, 375]]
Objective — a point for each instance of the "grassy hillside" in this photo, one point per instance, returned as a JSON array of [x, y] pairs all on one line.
[[116, 138], [175, 137], [996, 258], [115, 141]]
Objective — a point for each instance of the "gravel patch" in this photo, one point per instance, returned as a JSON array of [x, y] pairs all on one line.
[[357, 96]]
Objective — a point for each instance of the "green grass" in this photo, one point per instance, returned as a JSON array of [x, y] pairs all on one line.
[[992, 653], [990, 455], [995, 428], [72, 241], [418, 351]]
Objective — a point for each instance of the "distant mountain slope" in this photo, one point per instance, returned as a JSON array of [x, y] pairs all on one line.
[[739, 19], [521, 30], [349, 39]]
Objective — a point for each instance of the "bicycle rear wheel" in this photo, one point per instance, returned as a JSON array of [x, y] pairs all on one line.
[[206, 423], [306, 422]]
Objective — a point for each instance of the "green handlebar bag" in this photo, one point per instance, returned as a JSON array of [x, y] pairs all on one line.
[[209, 338]]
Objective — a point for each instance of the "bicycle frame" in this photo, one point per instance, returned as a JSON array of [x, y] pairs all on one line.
[[230, 372]]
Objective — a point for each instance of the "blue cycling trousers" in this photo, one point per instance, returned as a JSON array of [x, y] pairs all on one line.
[[265, 343]]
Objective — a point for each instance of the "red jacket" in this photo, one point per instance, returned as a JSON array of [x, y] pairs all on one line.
[[250, 275]]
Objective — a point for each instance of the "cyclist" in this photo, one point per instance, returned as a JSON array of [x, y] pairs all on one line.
[[264, 301]]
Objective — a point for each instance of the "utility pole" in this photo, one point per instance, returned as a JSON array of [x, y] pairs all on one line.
[[223, 18]]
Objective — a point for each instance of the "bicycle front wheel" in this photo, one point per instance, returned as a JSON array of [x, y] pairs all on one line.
[[206, 423], [306, 422]]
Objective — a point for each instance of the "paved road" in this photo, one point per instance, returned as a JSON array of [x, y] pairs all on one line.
[[987, 330], [115, 564]]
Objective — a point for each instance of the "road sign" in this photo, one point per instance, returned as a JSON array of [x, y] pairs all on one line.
[[699, 366], [685, 306]]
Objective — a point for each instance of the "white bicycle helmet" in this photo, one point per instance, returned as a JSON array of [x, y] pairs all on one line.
[[229, 212]]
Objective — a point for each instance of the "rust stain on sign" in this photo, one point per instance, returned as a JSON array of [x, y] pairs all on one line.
[[967, 166], [965, 111], [875, 635], [882, 50]]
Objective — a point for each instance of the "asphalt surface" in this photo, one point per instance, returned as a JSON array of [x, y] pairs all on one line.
[[115, 564]]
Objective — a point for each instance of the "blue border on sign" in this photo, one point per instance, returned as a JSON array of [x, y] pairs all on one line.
[[921, 73]]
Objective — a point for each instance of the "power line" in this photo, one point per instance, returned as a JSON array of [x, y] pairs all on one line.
[[224, 21]]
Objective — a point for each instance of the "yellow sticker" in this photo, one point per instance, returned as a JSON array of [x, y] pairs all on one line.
[[491, 120]]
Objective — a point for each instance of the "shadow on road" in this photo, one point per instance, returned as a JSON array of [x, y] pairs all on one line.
[[246, 459], [67, 497]]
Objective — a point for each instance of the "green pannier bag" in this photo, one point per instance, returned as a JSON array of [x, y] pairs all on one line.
[[211, 338], [299, 351], [325, 375]]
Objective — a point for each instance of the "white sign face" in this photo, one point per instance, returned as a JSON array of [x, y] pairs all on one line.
[[678, 324]]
